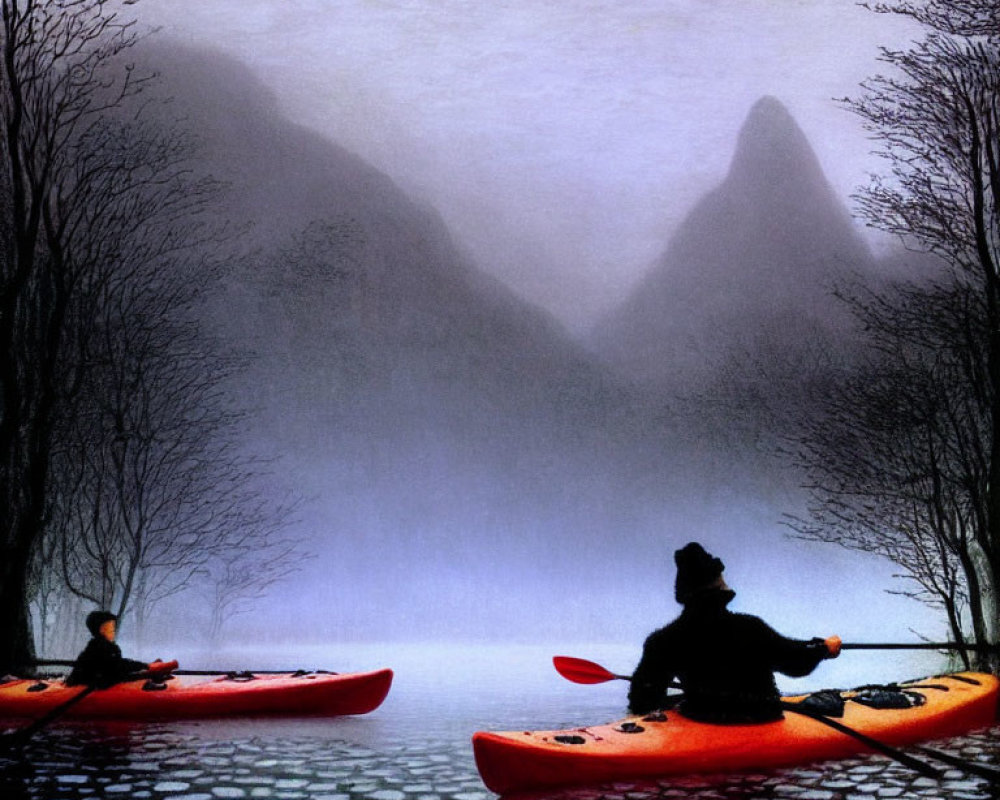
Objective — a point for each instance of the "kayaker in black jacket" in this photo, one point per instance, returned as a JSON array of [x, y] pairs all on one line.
[[724, 661], [101, 663]]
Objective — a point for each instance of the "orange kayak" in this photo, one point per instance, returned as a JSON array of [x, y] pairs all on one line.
[[666, 744], [326, 694]]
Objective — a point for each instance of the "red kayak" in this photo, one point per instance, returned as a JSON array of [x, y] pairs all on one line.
[[324, 694], [668, 744]]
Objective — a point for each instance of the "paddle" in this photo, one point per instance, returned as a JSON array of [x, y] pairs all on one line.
[[17, 739], [903, 758], [990, 773], [579, 670], [63, 663], [917, 646]]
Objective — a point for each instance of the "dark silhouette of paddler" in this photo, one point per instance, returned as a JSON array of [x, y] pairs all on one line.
[[725, 661]]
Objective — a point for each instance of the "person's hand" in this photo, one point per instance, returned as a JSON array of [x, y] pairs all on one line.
[[162, 667], [832, 646]]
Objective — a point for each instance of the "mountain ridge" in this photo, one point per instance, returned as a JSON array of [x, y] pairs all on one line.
[[769, 241], [446, 434]]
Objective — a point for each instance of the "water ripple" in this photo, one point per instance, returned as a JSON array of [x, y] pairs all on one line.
[[178, 762]]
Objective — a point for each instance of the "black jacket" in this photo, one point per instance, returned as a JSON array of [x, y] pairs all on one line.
[[724, 661], [101, 665]]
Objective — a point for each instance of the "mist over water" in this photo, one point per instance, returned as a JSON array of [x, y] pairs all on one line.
[[444, 691]]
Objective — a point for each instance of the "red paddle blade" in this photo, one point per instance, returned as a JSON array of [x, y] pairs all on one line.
[[580, 671]]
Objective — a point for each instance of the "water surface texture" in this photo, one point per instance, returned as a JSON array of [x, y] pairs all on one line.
[[417, 747]]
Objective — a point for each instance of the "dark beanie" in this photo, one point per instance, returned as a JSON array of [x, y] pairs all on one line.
[[95, 619], [696, 569]]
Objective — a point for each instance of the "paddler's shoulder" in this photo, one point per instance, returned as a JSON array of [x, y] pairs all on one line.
[[665, 633]]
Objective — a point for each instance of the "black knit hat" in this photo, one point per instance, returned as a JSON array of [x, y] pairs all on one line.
[[95, 619], [696, 570]]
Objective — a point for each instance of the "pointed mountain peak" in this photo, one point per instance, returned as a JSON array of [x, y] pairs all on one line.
[[769, 110], [771, 146]]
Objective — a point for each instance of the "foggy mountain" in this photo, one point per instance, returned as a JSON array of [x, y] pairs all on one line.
[[427, 414], [358, 290], [467, 469], [754, 260]]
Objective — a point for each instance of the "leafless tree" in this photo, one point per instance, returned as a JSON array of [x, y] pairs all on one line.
[[60, 72], [48, 589], [905, 457], [120, 451], [956, 17], [894, 452], [242, 575], [130, 327], [154, 477]]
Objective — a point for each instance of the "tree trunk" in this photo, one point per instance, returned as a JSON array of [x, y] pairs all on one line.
[[17, 648], [988, 607]]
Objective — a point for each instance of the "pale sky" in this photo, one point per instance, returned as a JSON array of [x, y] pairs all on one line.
[[561, 142]]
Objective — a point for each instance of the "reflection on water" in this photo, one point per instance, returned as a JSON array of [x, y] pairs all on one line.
[[416, 746], [167, 762]]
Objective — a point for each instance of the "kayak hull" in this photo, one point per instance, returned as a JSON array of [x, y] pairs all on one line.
[[325, 694], [517, 761]]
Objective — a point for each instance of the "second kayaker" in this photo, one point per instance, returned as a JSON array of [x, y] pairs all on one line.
[[724, 661], [101, 663]]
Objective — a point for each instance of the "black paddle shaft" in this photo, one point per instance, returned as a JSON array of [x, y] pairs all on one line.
[[992, 774], [888, 750], [15, 740], [980, 770], [918, 646]]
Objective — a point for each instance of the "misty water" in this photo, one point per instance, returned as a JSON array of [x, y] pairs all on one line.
[[417, 746]]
